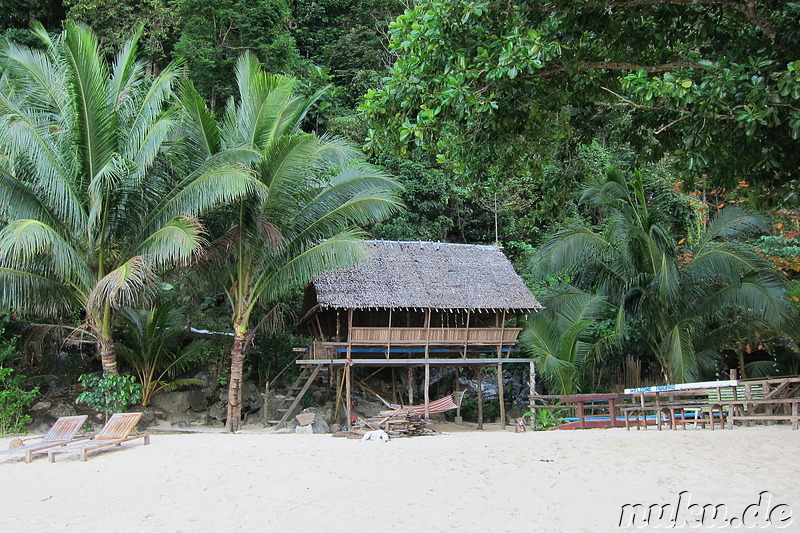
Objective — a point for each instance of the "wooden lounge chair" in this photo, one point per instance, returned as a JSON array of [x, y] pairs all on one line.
[[63, 432], [118, 429]]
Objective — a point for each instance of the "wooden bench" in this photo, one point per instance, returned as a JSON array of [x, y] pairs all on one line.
[[743, 411]]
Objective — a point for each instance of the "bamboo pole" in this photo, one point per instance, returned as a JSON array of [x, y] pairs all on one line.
[[500, 395], [458, 386], [479, 376], [348, 394], [427, 392], [410, 384]]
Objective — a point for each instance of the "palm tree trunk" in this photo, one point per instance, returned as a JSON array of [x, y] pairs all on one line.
[[108, 356], [235, 384]]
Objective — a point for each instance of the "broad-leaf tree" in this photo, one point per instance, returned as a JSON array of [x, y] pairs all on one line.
[[92, 210], [716, 83], [690, 299], [315, 192]]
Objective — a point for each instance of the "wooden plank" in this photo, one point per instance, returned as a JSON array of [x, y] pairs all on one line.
[[479, 377], [298, 397], [454, 361]]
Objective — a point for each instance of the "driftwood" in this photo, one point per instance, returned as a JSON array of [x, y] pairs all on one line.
[[397, 423]]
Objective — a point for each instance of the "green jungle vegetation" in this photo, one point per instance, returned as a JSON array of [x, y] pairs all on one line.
[[178, 163]]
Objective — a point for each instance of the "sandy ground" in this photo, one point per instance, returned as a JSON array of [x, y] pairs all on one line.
[[565, 481]]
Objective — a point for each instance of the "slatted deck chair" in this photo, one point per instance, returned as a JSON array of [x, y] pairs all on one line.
[[451, 401], [119, 428], [63, 432]]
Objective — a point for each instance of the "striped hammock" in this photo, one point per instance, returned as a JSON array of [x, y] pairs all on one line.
[[451, 401]]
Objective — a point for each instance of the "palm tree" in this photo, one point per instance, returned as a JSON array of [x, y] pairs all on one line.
[[91, 206], [154, 348], [558, 337], [680, 293], [315, 191]]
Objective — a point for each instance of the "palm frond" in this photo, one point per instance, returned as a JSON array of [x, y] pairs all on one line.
[[129, 284], [176, 243]]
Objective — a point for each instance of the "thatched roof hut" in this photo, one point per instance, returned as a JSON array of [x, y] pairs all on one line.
[[427, 275]]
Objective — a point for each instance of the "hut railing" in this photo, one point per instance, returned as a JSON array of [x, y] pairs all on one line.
[[412, 336]]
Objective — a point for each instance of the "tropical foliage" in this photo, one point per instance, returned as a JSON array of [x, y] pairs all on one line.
[[301, 222], [154, 349], [559, 338], [93, 208], [692, 298]]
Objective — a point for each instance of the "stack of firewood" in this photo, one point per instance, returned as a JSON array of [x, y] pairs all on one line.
[[397, 423]]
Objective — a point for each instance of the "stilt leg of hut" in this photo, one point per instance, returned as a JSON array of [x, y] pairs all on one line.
[[458, 386], [500, 395], [427, 392], [532, 388], [410, 382], [394, 385], [479, 378], [348, 396]]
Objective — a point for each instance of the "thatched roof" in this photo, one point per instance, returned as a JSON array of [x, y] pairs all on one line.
[[427, 275]]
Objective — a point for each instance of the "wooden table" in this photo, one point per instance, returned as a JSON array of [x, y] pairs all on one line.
[[794, 418], [581, 399]]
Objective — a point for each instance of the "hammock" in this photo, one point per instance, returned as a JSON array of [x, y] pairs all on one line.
[[451, 401]]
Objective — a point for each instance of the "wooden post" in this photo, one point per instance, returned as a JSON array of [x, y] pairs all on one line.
[[532, 387], [501, 396], [458, 407], [479, 377], [427, 392], [394, 385], [410, 383], [466, 337], [349, 399], [389, 340]]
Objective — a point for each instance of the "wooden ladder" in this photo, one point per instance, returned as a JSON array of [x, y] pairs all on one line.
[[293, 396]]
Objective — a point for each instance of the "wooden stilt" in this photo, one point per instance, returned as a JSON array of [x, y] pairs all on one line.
[[427, 392], [458, 386], [532, 388], [500, 395], [410, 383], [348, 395], [479, 377], [394, 385]]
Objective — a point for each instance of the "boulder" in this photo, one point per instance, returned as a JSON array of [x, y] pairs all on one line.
[[304, 430], [62, 409], [172, 402], [252, 397], [41, 407], [218, 411], [306, 418], [320, 426], [197, 401]]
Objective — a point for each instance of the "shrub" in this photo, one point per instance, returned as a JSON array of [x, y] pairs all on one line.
[[111, 394], [14, 400]]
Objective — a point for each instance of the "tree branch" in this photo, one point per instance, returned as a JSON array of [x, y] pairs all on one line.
[[612, 65]]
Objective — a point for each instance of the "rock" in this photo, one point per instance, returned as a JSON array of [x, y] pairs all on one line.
[[41, 407], [197, 401], [304, 430], [335, 428], [183, 424], [252, 397], [218, 411], [320, 426], [305, 418], [16, 443], [62, 409], [172, 402]]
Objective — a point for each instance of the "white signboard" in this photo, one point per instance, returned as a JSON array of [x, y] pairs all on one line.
[[684, 386]]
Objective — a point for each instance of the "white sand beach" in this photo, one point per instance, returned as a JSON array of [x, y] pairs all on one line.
[[558, 481]]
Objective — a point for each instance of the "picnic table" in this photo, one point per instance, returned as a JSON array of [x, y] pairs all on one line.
[[581, 399]]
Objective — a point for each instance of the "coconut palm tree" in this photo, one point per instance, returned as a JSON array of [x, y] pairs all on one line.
[[92, 208], [681, 293], [154, 348], [558, 337], [316, 191]]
